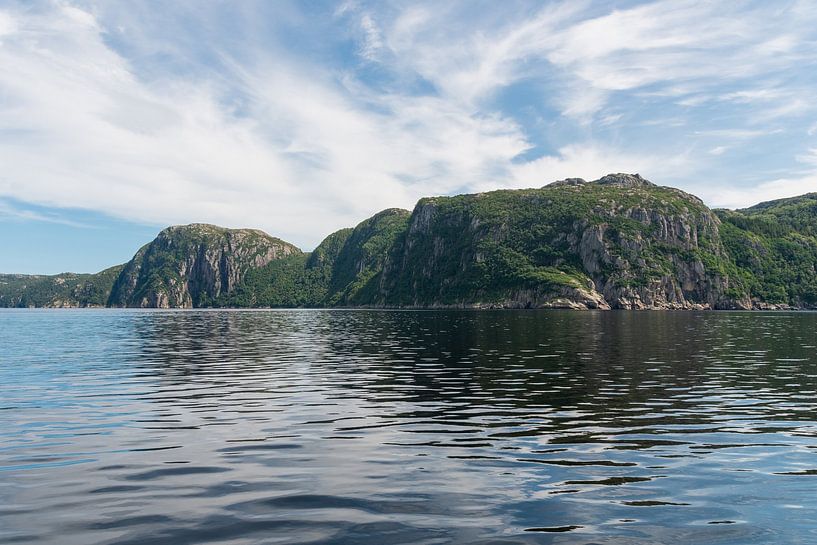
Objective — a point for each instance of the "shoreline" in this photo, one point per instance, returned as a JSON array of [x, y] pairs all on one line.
[[435, 308]]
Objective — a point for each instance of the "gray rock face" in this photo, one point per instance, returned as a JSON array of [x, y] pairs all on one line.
[[622, 265], [624, 278], [624, 180], [193, 265], [619, 179], [568, 181], [618, 242]]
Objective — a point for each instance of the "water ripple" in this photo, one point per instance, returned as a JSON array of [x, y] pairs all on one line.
[[126, 427]]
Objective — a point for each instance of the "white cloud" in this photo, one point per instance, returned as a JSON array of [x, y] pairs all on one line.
[[92, 135], [743, 197], [610, 119], [372, 41], [732, 196], [737, 134], [752, 95], [8, 25], [592, 161], [694, 100], [305, 159], [346, 7], [471, 64], [313, 147], [685, 45], [9, 212], [809, 158]]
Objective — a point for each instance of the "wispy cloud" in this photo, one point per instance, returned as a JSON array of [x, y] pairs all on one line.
[[235, 118], [738, 134], [372, 40], [592, 162], [736, 197], [304, 158], [800, 182], [809, 158], [9, 212]]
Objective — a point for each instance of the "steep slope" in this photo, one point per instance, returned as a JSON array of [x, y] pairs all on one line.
[[342, 271], [618, 242], [327, 252], [194, 266], [357, 267], [298, 280], [284, 283], [774, 247], [66, 290]]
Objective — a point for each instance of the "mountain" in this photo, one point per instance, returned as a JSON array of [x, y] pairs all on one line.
[[774, 247], [618, 242], [57, 291], [355, 274], [194, 266], [339, 272]]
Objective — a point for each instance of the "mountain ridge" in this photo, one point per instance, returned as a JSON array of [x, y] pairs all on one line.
[[618, 242]]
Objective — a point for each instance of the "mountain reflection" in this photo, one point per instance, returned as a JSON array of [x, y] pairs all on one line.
[[407, 427]]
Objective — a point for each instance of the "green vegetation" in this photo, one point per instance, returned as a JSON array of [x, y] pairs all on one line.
[[194, 265], [774, 247], [327, 252], [484, 248], [61, 290], [619, 241], [358, 266], [285, 282]]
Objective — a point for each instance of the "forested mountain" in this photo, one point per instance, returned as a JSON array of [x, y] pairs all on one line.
[[59, 290], [617, 242], [194, 266], [774, 247]]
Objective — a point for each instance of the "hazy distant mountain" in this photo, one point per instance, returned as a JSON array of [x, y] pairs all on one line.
[[617, 242]]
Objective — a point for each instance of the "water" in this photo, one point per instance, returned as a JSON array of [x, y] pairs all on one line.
[[407, 427]]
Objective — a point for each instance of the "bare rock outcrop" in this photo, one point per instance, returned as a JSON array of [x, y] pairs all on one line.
[[193, 265]]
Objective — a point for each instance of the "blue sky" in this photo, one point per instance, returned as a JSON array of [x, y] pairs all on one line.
[[119, 118]]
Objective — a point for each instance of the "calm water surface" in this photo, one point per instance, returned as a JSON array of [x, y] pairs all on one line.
[[407, 427]]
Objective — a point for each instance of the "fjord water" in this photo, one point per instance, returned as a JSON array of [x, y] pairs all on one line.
[[389, 427]]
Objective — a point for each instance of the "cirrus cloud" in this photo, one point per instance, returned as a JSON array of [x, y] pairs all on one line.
[[301, 122]]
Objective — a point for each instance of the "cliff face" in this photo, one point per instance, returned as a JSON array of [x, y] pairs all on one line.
[[618, 242], [193, 266]]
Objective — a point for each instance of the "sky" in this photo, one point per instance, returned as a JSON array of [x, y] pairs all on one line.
[[300, 118]]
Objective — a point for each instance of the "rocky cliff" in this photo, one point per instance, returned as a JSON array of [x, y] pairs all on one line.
[[617, 242], [193, 266]]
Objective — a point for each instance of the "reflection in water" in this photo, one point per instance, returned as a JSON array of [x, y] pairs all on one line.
[[407, 427]]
